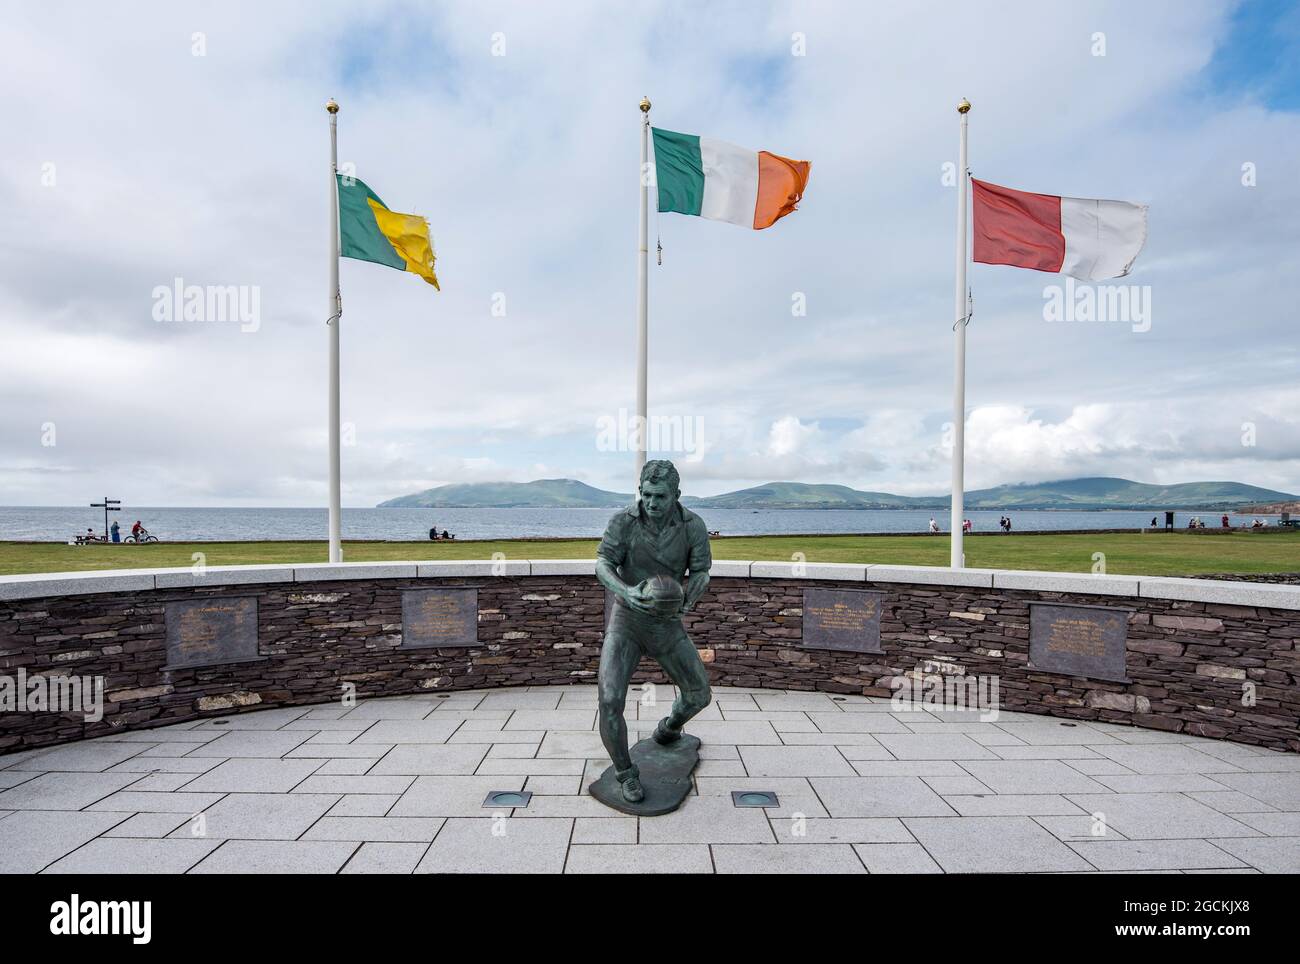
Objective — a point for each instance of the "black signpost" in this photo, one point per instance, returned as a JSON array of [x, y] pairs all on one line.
[[108, 505]]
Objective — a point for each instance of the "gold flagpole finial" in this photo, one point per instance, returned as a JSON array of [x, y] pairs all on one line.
[[964, 106], [332, 107], [645, 105]]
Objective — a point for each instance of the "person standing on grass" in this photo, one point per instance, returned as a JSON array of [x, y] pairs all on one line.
[[934, 527], [116, 531]]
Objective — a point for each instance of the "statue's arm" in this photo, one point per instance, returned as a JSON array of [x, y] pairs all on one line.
[[696, 584], [607, 576]]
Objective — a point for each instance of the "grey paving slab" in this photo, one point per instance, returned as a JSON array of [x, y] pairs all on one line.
[[1030, 776], [708, 820], [388, 829], [758, 733], [364, 805], [616, 858], [366, 783], [896, 858], [1166, 758], [94, 757], [432, 730], [497, 738], [1231, 801], [162, 781], [915, 746], [180, 764], [1272, 855], [126, 855], [344, 768], [1077, 826], [530, 767], [254, 720], [276, 857], [794, 701], [1276, 824], [385, 858], [605, 830], [499, 845], [132, 801], [512, 751], [552, 720], [789, 761], [1058, 752], [255, 776], [1280, 790], [993, 845], [252, 743], [148, 825], [64, 791], [348, 751], [262, 816], [951, 785], [1056, 733], [12, 778], [879, 797], [1127, 855], [818, 858], [815, 830], [399, 709], [904, 768], [554, 785], [571, 744], [520, 700], [1011, 805], [169, 750], [1155, 816], [31, 840], [840, 722], [1158, 782], [450, 796], [431, 759], [1098, 766]]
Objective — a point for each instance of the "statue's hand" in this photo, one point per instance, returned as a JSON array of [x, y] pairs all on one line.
[[638, 602]]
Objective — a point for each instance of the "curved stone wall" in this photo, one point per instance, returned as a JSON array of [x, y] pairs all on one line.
[[1204, 657]]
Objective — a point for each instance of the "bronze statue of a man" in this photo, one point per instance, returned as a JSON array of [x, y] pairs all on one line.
[[652, 541]]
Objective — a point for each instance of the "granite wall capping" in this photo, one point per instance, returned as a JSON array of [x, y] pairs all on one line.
[[1209, 668], [1275, 593]]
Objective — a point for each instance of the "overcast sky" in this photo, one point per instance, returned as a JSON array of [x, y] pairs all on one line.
[[149, 142]]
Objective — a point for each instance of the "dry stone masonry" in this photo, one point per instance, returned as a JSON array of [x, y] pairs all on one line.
[[1208, 658]]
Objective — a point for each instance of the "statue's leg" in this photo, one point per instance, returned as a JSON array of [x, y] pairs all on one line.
[[618, 660], [682, 663]]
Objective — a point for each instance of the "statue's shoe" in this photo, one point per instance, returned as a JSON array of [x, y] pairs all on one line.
[[632, 791], [665, 734]]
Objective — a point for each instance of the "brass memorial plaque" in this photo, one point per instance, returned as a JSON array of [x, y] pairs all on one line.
[[433, 618], [842, 619], [1089, 641], [209, 632]]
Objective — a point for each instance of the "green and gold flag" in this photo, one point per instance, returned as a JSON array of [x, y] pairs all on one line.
[[369, 231]]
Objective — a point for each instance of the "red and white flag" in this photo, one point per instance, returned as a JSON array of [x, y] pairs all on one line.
[[1085, 238]]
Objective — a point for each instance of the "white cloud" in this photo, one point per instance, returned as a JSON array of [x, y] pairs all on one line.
[[213, 169]]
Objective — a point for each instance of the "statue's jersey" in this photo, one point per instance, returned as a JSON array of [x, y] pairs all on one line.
[[637, 552]]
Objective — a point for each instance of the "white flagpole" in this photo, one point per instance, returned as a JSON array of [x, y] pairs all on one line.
[[958, 558], [642, 306], [336, 315]]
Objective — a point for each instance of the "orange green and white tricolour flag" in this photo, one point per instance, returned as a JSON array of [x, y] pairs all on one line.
[[713, 179]]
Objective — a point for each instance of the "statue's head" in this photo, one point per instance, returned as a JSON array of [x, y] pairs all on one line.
[[660, 487]]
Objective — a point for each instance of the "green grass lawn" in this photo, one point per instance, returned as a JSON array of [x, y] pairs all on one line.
[[1162, 554]]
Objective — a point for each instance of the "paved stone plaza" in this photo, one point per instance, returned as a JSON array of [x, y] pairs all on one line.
[[398, 785]]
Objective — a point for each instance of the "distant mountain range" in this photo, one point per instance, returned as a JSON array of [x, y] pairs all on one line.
[[1093, 493]]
